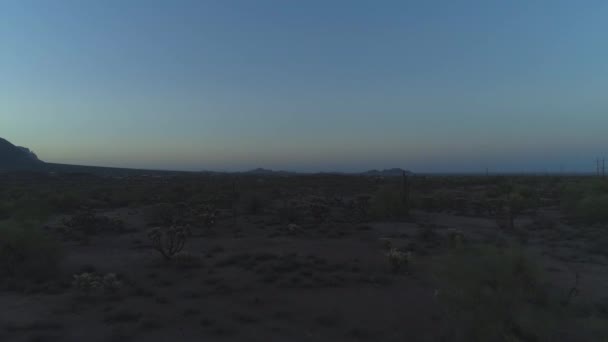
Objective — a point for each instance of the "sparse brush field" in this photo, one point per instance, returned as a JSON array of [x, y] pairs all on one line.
[[303, 258]]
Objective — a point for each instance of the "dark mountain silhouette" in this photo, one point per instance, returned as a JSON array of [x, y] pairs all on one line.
[[267, 172], [386, 172], [17, 158], [29, 152]]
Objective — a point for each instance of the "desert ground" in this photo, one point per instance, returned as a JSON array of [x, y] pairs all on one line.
[[213, 257]]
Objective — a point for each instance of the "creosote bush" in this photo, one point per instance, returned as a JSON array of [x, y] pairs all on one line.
[[486, 292], [26, 252], [387, 203]]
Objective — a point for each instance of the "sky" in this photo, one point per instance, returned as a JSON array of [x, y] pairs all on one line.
[[430, 86]]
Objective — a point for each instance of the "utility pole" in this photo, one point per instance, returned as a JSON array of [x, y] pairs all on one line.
[[603, 167], [597, 163]]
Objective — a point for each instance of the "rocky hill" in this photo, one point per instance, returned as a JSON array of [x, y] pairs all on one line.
[[16, 157]]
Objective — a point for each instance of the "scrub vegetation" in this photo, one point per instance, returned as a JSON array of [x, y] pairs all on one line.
[[303, 257]]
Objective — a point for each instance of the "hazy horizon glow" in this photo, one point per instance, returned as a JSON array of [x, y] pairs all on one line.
[[432, 86]]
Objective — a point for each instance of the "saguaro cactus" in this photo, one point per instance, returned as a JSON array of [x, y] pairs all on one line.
[[405, 194]]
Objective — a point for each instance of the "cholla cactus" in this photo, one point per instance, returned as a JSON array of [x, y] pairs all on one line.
[[91, 282], [111, 283], [87, 282], [168, 241], [208, 215], [293, 228], [398, 259]]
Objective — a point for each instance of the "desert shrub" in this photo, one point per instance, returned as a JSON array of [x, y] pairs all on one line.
[[5, 211], [487, 291], [88, 223], [319, 211], [570, 195], [27, 252], [168, 241], [289, 212], [387, 203], [586, 200], [427, 233], [456, 238], [424, 202], [253, 203], [543, 221], [65, 202], [598, 245], [440, 200], [359, 208], [160, 214], [593, 208], [31, 210], [38, 203]]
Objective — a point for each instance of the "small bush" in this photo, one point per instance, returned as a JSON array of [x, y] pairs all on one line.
[[254, 204], [65, 202], [387, 203], [161, 214], [289, 213], [397, 259], [27, 252]]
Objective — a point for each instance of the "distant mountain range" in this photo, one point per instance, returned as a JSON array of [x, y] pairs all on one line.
[[267, 172], [394, 172], [17, 158]]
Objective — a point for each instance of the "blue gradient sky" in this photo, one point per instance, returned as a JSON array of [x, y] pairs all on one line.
[[307, 85]]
